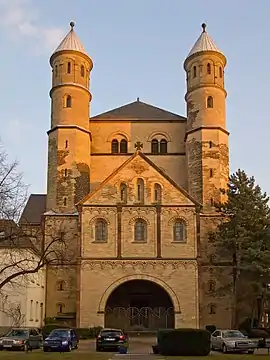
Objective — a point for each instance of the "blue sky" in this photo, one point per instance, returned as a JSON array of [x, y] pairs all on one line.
[[138, 48]]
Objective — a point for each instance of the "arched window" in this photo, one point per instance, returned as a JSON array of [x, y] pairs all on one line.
[[101, 230], [210, 102], [210, 144], [140, 230], [123, 146], [66, 172], [220, 72], [82, 71], [60, 308], [194, 71], [140, 190], [123, 192], [115, 146], [212, 309], [68, 101], [163, 146], [65, 201], [68, 67], [157, 193], [212, 203], [66, 145], [211, 172], [61, 285], [208, 68], [179, 231], [211, 286], [154, 146]]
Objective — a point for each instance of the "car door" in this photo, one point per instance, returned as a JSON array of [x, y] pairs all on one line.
[[35, 338], [73, 339], [219, 340], [214, 339]]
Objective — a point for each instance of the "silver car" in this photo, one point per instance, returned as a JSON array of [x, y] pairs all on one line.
[[232, 341]]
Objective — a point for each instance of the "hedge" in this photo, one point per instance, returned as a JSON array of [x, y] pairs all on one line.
[[184, 342], [82, 333]]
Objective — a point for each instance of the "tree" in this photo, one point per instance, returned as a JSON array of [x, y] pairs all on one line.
[[244, 239], [23, 251]]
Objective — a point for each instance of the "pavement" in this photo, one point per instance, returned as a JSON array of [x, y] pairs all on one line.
[[142, 346]]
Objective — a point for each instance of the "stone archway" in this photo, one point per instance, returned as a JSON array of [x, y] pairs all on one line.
[[139, 304]]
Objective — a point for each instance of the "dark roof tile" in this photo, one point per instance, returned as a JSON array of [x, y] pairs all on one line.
[[34, 209]]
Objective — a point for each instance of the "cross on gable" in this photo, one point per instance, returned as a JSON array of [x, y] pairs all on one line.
[[138, 145]]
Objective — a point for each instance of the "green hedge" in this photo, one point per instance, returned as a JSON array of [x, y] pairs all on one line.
[[184, 342], [82, 333]]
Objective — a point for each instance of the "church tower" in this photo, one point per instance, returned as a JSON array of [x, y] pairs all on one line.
[[69, 137], [206, 135]]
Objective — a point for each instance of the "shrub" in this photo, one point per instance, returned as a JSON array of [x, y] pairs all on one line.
[[184, 342], [94, 331], [210, 328]]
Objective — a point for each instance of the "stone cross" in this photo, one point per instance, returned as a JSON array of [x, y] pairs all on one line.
[[138, 145]]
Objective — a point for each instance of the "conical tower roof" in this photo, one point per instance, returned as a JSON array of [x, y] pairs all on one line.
[[71, 42], [204, 43]]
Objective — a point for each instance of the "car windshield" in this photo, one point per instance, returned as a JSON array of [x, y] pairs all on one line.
[[111, 333], [59, 333], [17, 332], [233, 334]]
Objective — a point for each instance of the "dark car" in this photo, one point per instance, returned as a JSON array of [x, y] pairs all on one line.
[[61, 340], [111, 339], [21, 339]]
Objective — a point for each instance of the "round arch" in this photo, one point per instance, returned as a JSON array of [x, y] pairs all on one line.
[[153, 279], [118, 135], [159, 135]]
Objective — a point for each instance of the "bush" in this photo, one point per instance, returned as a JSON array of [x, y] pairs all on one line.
[[210, 328], [184, 342], [258, 333]]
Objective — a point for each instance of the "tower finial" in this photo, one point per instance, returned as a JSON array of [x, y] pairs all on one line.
[[203, 26], [72, 24]]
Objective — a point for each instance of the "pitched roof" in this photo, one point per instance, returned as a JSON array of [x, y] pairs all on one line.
[[138, 110], [34, 209], [204, 43], [152, 164], [71, 42]]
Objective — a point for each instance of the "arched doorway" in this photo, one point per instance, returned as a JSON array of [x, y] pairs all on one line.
[[139, 305]]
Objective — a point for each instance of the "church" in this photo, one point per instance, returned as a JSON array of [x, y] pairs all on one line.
[[132, 191]]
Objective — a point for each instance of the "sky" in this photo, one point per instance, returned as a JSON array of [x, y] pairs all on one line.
[[138, 48]]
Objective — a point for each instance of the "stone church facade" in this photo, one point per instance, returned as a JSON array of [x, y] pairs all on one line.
[[132, 191]]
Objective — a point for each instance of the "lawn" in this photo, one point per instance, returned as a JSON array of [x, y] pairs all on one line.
[[36, 355]]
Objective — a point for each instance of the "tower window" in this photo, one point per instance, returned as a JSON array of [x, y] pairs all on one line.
[[101, 230], [68, 67], [210, 144], [115, 146], [212, 309], [211, 172], [123, 192], [140, 190], [157, 193], [163, 146], [66, 172], [179, 231], [211, 286], [66, 145], [123, 146], [194, 71], [220, 72], [82, 71], [140, 230], [210, 102], [65, 201], [208, 68], [154, 146], [68, 101], [60, 308], [61, 285], [212, 202]]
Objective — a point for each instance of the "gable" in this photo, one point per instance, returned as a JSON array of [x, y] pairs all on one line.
[[139, 110], [138, 166]]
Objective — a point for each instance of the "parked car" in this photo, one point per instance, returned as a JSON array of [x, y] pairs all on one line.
[[61, 340], [111, 339], [232, 341], [21, 339]]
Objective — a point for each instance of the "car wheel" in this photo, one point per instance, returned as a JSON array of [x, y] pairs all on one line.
[[98, 348], [224, 349], [26, 347], [251, 352], [45, 350], [69, 347]]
